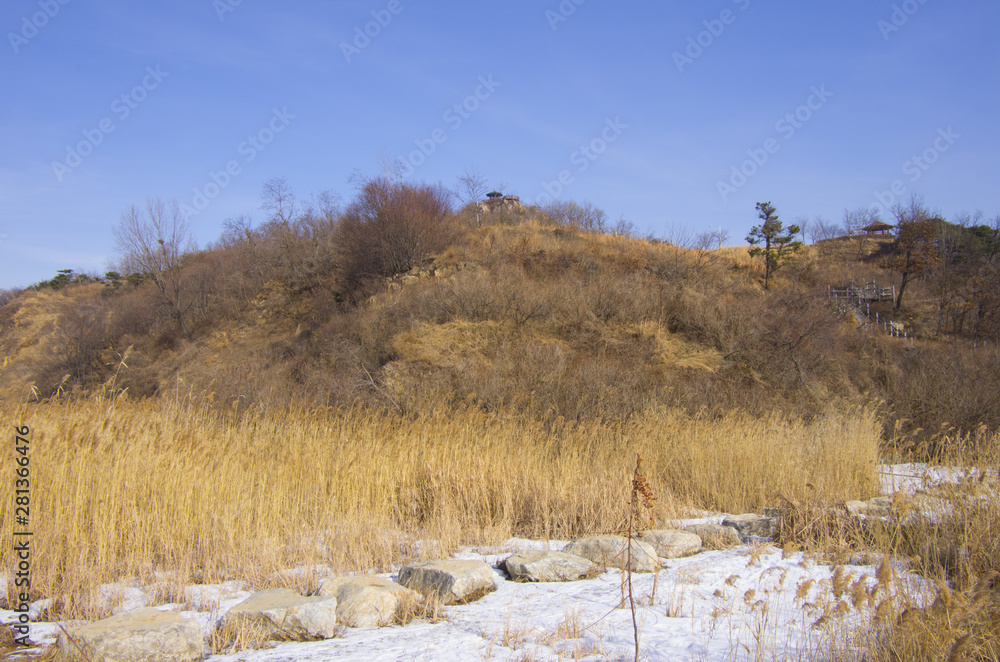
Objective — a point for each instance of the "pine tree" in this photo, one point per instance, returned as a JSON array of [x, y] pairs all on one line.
[[770, 239]]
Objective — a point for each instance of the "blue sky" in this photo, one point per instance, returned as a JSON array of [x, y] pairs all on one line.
[[671, 115]]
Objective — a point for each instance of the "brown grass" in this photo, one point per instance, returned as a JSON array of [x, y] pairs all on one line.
[[125, 489], [958, 548]]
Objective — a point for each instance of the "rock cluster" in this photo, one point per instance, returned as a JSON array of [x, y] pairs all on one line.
[[151, 635]]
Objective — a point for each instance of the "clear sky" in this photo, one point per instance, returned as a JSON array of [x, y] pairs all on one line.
[[671, 115]]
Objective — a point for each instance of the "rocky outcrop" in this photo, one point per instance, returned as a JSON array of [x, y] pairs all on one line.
[[546, 566], [716, 536], [450, 582], [609, 551], [367, 602], [672, 543], [139, 635], [284, 614], [754, 526], [900, 504]]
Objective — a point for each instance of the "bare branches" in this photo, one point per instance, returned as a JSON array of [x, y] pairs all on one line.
[[277, 199], [153, 242]]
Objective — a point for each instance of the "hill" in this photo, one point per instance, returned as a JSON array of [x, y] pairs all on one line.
[[356, 389], [522, 312]]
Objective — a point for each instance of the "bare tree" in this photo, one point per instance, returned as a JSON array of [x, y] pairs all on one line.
[[472, 189], [153, 242], [821, 229], [390, 227], [916, 251], [706, 240], [278, 200], [803, 223], [586, 217], [855, 221]]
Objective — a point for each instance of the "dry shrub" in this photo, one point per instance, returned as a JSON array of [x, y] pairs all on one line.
[[390, 227]]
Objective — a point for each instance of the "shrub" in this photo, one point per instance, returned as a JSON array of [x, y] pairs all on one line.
[[390, 227]]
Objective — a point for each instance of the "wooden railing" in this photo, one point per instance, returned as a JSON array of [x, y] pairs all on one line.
[[858, 299]]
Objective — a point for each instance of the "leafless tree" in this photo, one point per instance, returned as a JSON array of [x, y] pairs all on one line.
[[471, 190], [803, 223], [855, 220], [278, 200], [391, 226], [916, 251], [585, 217], [821, 229], [153, 242], [711, 239]]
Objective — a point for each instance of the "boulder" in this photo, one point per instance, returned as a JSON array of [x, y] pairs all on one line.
[[930, 506], [751, 525], [367, 602], [877, 507], [609, 551], [545, 566], [902, 504], [716, 536], [672, 543], [139, 635], [284, 614], [451, 582]]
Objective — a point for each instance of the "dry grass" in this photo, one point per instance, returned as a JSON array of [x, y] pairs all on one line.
[[127, 489], [958, 547]]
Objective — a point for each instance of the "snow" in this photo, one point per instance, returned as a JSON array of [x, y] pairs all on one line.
[[714, 606], [910, 478], [717, 605]]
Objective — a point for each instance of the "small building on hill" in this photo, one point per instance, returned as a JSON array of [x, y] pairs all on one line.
[[495, 201], [878, 227]]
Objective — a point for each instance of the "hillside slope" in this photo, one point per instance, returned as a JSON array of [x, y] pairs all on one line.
[[525, 314]]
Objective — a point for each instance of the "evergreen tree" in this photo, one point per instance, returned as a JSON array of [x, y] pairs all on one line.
[[773, 241]]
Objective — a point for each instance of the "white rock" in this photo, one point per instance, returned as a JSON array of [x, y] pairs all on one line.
[[452, 582], [754, 525], [285, 614], [610, 551], [546, 566], [140, 635], [672, 543], [366, 602], [716, 536]]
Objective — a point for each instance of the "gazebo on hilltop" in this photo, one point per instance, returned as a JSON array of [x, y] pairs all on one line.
[[878, 227]]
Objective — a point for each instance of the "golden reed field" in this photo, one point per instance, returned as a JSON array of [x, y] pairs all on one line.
[[131, 488]]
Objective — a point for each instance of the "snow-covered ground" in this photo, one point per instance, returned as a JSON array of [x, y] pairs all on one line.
[[716, 605]]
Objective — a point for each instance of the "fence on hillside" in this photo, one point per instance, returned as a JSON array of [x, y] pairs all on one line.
[[858, 300]]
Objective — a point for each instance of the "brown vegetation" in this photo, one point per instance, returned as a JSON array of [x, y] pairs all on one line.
[[395, 372], [395, 304], [131, 489]]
